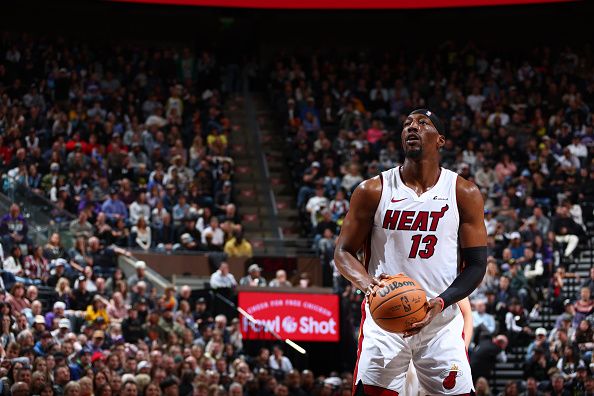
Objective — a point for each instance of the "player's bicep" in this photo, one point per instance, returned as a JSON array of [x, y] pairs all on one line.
[[472, 221], [358, 222]]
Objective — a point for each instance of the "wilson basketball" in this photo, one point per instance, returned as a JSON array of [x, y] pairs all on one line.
[[399, 304]]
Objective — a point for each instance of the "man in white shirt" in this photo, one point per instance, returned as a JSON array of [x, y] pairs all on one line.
[[316, 203], [140, 208], [222, 278], [578, 149], [279, 362], [216, 233]]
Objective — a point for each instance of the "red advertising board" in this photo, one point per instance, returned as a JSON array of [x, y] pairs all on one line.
[[299, 317]]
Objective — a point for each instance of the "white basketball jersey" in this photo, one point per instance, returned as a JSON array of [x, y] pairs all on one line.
[[416, 235]]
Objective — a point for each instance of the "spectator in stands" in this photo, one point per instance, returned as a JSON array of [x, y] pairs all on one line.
[[584, 306], [516, 322], [486, 354], [316, 204], [80, 227], [484, 323], [140, 275], [280, 280], [113, 207], [253, 278], [222, 278], [278, 363], [13, 227], [238, 246]]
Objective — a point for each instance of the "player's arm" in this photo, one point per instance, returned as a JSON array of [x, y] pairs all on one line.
[[473, 243], [466, 310], [355, 229]]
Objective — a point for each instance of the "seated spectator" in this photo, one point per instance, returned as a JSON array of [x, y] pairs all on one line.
[[216, 234], [36, 266], [280, 280], [16, 298], [13, 227], [278, 363], [584, 306], [80, 227], [484, 323], [316, 204], [516, 322], [568, 363], [222, 278], [253, 278], [113, 207], [140, 234], [238, 246], [140, 275], [14, 262], [486, 354], [97, 309]]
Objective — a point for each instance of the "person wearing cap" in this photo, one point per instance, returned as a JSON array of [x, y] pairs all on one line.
[[201, 313], [140, 275], [43, 346], [62, 331], [56, 313], [253, 278], [79, 366], [540, 341], [81, 297], [133, 326]]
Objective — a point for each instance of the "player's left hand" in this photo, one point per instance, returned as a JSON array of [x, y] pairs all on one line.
[[433, 307]]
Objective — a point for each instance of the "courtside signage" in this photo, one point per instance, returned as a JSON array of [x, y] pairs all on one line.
[[299, 317]]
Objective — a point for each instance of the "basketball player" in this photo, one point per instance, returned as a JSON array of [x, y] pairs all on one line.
[[416, 219]]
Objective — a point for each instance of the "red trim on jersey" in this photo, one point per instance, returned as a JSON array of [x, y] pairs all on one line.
[[372, 390], [359, 344]]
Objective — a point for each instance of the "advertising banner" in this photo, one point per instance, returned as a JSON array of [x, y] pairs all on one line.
[[299, 317]]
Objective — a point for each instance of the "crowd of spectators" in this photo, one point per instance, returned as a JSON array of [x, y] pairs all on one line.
[[132, 140], [518, 127]]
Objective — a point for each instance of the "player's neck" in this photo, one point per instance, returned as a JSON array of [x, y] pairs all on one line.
[[420, 175]]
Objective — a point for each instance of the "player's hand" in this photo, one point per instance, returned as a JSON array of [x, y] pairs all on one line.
[[433, 309], [376, 283]]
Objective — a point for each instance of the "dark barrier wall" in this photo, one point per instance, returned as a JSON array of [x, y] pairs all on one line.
[[169, 265]]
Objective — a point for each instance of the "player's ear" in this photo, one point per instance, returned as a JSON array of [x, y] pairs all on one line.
[[441, 141]]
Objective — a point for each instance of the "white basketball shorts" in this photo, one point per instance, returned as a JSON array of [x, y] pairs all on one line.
[[438, 353]]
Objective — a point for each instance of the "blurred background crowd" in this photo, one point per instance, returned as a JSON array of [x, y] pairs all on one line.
[[131, 146]]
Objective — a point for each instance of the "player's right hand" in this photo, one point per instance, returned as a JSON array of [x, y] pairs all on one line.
[[376, 283]]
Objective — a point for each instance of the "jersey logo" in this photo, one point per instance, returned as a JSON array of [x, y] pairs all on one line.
[[449, 377], [436, 198], [397, 200], [409, 220]]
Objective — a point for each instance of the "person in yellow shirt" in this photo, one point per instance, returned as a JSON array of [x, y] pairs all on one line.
[[238, 246], [97, 309]]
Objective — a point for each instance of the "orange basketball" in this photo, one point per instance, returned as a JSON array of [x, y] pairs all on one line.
[[399, 304]]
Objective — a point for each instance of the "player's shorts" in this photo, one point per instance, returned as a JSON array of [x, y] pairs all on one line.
[[438, 353]]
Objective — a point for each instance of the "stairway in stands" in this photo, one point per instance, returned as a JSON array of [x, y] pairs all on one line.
[[251, 196], [512, 370], [263, 186]]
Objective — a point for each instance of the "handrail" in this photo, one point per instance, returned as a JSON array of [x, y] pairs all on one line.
[[127, 264]]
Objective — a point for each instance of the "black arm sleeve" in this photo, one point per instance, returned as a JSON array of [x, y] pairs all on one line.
[[471, 276]]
